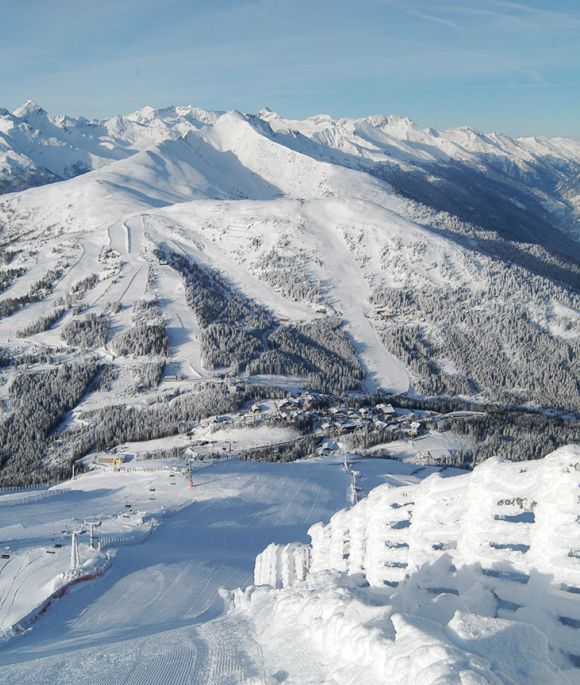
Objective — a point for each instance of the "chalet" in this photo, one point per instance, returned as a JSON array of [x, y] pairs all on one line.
[[414, 428], [380, 422], [289, 403], [386, 409], [348, 426], [113, 459], [327, 448], [307, 399]]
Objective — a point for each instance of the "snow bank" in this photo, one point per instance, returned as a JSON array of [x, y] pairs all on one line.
[[468, 579], [358, 639]]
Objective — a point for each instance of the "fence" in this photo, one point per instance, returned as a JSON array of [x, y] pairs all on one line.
[[33, 497], [510, 528], [140, 469], [130, 538], [9, 489]]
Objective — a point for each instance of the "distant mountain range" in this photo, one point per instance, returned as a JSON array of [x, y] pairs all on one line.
[[520, 187]]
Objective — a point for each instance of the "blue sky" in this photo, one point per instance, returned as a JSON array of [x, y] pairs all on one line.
[[492, 64]]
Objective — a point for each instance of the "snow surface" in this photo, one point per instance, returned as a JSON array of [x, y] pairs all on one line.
[[166, 550], [234, 191], [156, 593]]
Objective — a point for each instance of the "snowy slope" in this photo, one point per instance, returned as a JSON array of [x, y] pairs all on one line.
[[539, 174], [37, 147], [149, 617], [151, 234], [148, 606], [296, 218]]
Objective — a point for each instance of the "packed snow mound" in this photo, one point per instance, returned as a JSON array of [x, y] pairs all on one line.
[[470, 579]]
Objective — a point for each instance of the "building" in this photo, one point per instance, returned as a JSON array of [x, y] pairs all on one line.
[[386, 409]]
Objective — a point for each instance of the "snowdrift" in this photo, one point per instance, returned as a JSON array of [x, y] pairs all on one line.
[[469, 579]]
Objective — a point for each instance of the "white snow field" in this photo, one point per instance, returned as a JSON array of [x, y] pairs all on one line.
[[147, 619], [240, 192], [246, 194], [470, 579], [147, 608], [437, 576]]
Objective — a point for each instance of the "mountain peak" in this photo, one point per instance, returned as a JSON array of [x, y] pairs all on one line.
[[28, 108], [391, 121], [267, 114]]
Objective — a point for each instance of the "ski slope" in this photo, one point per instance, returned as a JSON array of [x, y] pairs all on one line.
[[241, 193], [302, 219], [149, 611], [157, 612]]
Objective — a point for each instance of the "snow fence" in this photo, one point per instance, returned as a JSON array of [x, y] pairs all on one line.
[[508, 532]]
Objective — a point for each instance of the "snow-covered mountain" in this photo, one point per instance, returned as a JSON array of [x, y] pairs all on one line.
[[464, 171], [480, 177], [199, 245], [37, 147]]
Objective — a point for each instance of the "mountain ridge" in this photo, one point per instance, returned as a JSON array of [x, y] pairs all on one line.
[[530, 184]]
